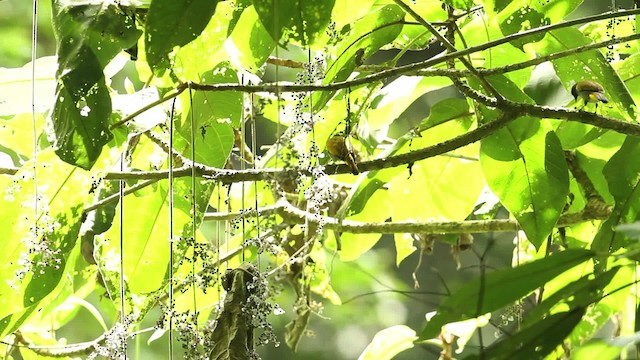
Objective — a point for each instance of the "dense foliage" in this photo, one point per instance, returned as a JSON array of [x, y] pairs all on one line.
[[185, 163]]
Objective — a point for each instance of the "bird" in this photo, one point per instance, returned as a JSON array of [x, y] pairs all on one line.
[[340, 148], [589, 91]]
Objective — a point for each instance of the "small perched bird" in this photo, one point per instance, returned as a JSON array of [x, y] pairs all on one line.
[[589, 91], [341, 149]]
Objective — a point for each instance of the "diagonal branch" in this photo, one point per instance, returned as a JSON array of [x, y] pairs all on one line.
[[396, 71]]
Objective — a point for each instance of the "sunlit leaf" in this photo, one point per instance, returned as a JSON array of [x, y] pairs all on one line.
[[621, 173], [252, 44], [207, 128], [299, 20], [55, 237], [532, 187], [388, 343], [499, 288], [15, 84], [88, 37], [367, 35], [591, 65], [173, 23], [535, 341]]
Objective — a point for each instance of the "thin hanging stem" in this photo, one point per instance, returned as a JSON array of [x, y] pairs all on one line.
[[242, 167], [193, 207], [121, 185], [34, 42], [171, 178], [254, 147]]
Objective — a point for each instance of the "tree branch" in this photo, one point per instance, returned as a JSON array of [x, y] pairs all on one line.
[[451, 48], [293, 215], [396, 71]]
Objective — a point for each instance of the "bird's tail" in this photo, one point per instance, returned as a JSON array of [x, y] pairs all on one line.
[[602, 98]]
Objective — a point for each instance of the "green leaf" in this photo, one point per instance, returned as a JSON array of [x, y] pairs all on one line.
[[630, 230], [621, 173], [346, 12], [251, 40], [525, 167], [299, 20], [607, 349], [522, 15], [145, 244], [388, 343], [460, 4], [573, 134], [628, 70], [591, 65], [499, 288], [446, 187], [82, 110], [414, 36], [16, 83], [173, 23], [445, 110], [531, 186], [398, 95], [354, 245], [580, 293], [16, 135], [51, 246], [213, 114], [146, 220], [106, 28], [205, 51], [366, 37], [536, 341], [88, 37]]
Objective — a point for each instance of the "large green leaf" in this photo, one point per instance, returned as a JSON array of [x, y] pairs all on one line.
[[536, 341], [15, 84], [299, 20], [580, 293], [415, 36], [251, 40], [205, 51], [48, 247], [388, 343], [354, 245], [393, 99], [173, 23], [213, 115], [441, 112], [367, 36], [521, 15], [88, 36], [587, 65], [525, 167], [499, 288], [81, 114], [16, 135], [622, 176], [629, 71]]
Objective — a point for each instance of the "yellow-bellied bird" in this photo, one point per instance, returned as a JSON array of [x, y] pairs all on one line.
[[589, 91], [340, 148]]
